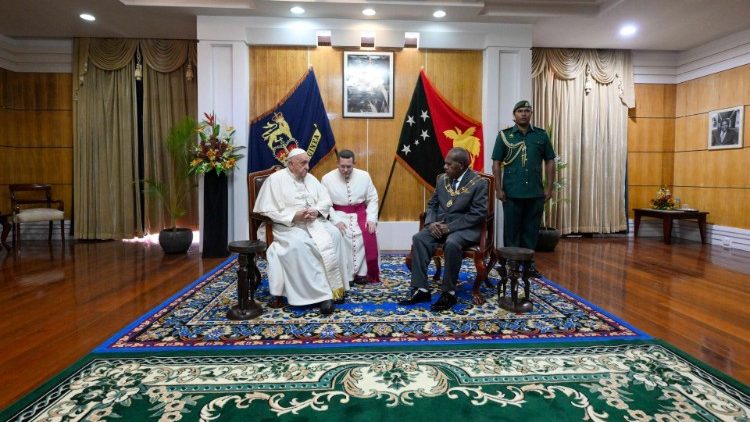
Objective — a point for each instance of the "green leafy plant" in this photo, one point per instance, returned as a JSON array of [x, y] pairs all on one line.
[[172, 193]]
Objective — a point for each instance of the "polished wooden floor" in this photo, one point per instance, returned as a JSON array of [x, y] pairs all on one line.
[[58, 303]]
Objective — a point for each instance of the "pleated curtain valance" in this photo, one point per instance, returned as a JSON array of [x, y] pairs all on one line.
[[163, 56], [603, 66]]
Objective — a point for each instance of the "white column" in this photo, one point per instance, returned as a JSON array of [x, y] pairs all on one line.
[[507, 80], [223, 87]]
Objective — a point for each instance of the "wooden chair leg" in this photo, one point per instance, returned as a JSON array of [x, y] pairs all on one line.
[[49, 232], [408, 260], [438, 268], [62, 230]]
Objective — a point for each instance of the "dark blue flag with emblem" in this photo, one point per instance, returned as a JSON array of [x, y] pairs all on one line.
[[418, 148], [297, 121]]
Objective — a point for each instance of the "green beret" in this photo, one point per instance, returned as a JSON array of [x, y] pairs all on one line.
[[520, 104]]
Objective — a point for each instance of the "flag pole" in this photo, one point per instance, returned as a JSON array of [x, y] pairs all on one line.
[[388, 184]]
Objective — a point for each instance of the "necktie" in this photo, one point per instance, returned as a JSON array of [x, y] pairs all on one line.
[[454, 185]]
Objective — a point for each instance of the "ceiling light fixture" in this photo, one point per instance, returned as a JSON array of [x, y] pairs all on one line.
[[628, 30], [368, 12], [439, 14], [297, 10], [87, 17]]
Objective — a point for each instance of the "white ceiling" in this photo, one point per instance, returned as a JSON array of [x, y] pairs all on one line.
[[663, 24]]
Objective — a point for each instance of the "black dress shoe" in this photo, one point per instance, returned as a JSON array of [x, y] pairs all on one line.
[[444, 302], [416, 296], [359, 280], [326, 307]]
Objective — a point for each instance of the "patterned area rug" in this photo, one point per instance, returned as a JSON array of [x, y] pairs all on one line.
[[620, 380], [196, 317]]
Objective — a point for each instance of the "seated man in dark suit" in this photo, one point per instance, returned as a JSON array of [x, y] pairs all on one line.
[[454, 216]]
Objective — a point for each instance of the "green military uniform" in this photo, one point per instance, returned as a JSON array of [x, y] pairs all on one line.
[[522, 156]]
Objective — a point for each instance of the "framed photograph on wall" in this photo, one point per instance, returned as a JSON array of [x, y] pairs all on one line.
[[368, 84], [725, 128]]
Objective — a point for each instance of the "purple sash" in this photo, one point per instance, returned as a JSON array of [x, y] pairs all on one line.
[[369, 240]]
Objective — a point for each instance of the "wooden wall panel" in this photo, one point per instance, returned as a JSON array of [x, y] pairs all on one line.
[[703, 95], [691, 133], [734, 87], [724, 168], [645, 168], [275, 70], [650, 134], [36, 147], [654, 100], [728, 207]]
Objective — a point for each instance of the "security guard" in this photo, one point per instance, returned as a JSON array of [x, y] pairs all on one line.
[[517, 166]]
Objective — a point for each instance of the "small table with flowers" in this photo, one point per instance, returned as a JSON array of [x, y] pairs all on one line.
[[668, 216]]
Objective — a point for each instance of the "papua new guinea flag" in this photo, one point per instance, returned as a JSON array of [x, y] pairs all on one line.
[[298, 121], [432, 126]]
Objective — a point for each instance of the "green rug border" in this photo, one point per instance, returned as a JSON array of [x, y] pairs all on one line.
[[40, 390]]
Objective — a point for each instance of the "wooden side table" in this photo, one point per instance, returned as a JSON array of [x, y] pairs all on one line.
[[668, 217], [247, 307], [7, 225], [510, 260]]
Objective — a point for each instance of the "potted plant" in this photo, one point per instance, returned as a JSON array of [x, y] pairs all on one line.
[[549, 236], [171, 194]]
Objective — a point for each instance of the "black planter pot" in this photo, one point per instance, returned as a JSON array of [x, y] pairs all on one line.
[[175, 241], [547, 239]]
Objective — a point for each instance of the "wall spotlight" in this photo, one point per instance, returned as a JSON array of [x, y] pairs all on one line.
[[87, 17], [439, 14], [297, 10], [368, 12]]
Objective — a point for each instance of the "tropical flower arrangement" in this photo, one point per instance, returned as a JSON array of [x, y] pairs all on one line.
[[215, 151], [664, 199]]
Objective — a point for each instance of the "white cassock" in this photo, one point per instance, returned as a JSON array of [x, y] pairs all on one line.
[[307, 262], [357, 190]]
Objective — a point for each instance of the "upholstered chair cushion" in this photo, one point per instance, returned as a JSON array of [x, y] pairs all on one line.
[[39, 214]]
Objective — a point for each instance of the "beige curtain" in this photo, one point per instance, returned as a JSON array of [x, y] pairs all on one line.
[[584, 95], [169, 95], [106, 198]]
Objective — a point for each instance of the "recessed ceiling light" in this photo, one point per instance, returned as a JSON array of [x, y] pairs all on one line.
[[628, 30], [368, 12], [297, 10], [439, 14], [87, 17]]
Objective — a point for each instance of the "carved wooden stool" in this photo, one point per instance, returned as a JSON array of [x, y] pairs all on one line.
[[510, 260], [247, 307]]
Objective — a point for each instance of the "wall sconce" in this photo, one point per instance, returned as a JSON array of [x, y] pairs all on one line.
[[324, 38], [411, 40], [367, 40]]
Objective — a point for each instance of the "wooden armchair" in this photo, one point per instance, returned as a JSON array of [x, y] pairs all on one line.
[[33, 202], [254, 182], [483, 254]]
